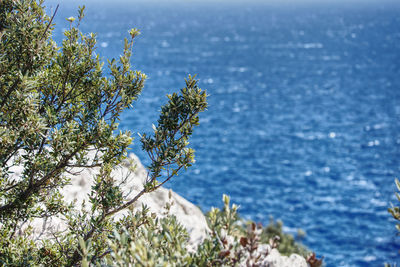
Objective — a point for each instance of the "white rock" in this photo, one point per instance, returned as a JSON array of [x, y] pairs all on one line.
[[189, 215], [264, 256], [275, 259]]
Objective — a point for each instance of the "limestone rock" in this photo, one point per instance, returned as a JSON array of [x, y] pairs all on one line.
[[264, 256], [131, 183], [275, 259]]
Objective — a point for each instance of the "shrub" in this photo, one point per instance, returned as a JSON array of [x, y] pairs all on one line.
[[56, 105], [287, 242], [235, 242], [394, 210], [145, 240]]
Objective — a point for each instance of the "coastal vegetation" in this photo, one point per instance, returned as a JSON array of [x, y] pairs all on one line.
[[395, 210], [57, 105]]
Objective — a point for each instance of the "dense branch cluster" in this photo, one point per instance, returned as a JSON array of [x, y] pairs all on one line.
[[56, 106]]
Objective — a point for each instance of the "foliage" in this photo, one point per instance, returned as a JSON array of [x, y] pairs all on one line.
[[394, 210], [142, 239], [146, 240], [287, 243], [56, 106], [233, 241]]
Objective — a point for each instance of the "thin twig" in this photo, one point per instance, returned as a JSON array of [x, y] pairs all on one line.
[[51, 20]]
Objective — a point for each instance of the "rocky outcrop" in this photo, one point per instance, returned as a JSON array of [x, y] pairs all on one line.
[[131, 181], [265, 256], [275, 259]]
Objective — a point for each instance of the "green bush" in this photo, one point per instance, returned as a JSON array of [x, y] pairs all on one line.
[[142, 239], [57, 103], [287, 242], [233, 241], [395, 210]]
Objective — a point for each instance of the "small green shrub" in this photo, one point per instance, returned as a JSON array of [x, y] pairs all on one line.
[[287, 243], [142, 239], [395, 210], [233, 241]]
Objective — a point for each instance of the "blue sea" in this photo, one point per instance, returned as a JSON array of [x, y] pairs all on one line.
[[303, 121]]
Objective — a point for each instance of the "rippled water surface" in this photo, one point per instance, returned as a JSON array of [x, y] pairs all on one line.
[[304, 110]]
